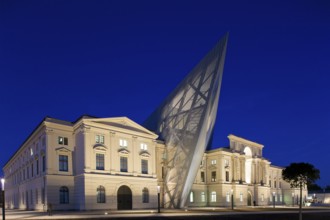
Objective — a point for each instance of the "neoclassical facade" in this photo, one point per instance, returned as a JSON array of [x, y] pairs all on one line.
[[114, 163]]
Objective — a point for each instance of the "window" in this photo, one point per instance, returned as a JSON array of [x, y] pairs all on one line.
[[99, 139], [43, 142], [202, 177], [226, 163], [144, 166], [270, 183], [280, 185], [203, 196], [213, 176], [43, 163], [213, 162], [227, 197], [37, 196], [100, 161], [43, 195], [64, 195], [123, 164], [145, 195], [274, 184], [143, 146], [31, 169], [262, 197], [280, 197], [27, 172], [241, 197], [191, 196], [213, 196], [37, 163], [63, 140], [63, 163], [163, 172], [31, 197], [100, 194], [227, 176], [122, 143]]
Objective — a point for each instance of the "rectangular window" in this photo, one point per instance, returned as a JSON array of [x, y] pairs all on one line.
[[43, 163], [144, 166], [27, 172], [213, 176], [123, 164], [100, 161], [262, 197], [227, 176], [63, 140], [31, 169], [99, 139], [213, 162], [37, 196], [203, 196], [163, 172], [123, 143], [280, 185], [270, 183], [37, 163], [213, 196], [274, 184], [202, 177], [191, 197], [63, 163], [143, 146], [43, 195], [281, 198], [226, 163], [31, 197], [241, 197], [227, 197]]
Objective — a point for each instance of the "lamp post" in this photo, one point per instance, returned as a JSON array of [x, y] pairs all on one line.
[[292, 199], [158, 193], [232, 199], [273, 199], [3, 198]]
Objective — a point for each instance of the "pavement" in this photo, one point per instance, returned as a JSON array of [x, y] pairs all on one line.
[[280, 212]]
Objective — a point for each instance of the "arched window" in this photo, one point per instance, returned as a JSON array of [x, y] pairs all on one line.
[[101, 194], [145, 195], [64, 195]]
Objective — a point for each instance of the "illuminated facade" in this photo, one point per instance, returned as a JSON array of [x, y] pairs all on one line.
[[115, 163]]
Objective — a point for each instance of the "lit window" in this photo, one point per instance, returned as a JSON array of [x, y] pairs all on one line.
[[281, 198], [63, 163], [144, 166], [100, 194], [64, 195], [143, 146], [191, 196], [123, 164], [145, 195], [203, 196], [99, 139], [213, 162], [241, 197], [226, 163], [213, 196], [227, 197], [63, 140], [31, 151], [122, 143], [213, 176], [100, 161]]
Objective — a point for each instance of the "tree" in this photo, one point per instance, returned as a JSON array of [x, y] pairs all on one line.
[[300, 175]]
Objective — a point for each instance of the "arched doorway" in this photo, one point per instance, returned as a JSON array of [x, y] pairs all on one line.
[[249, 199], [124, 198]]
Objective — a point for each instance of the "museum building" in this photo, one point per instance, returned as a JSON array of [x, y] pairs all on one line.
[[115, 163]]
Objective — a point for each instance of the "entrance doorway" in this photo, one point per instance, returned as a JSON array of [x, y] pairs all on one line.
[[249, 199], [124, 198]]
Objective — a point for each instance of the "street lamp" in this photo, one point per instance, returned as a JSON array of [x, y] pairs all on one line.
[[232, 199], [273, 199], [158, 193], [292, 199], [3, 197]]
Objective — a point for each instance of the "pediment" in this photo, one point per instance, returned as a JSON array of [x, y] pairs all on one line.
[[124, 123], [144, 154], [123, 151], [62, 149], [100, 147]]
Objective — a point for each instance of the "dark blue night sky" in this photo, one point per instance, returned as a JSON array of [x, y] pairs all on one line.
[[122, 58]]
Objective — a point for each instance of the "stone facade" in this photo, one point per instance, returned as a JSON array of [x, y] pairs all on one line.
[[114, 163]]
